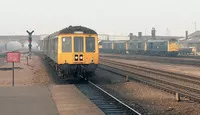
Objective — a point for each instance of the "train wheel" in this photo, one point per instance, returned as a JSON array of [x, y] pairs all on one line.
[[60, 74], [86, 76]]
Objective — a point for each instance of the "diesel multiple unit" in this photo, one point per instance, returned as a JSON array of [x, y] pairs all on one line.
[[74, 51]]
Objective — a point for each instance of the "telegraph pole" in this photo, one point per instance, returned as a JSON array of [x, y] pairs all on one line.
[[30, 41]]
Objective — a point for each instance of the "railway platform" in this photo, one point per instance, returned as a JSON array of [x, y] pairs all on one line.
[[45, 100], [34, 92], [26, 101], [70, 101]]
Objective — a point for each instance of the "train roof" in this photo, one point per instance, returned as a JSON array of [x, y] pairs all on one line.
[[114, 41], [157, 40], [161, 40], [169, 37], [73, 29], [106, 41], [143, 38], [120, 41]]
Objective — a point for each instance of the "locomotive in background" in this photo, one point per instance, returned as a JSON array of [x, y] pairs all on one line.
[[146, 45]]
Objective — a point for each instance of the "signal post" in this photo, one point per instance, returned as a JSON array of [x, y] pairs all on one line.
[[30, 42]]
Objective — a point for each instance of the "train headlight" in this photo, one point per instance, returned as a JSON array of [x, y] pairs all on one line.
[[81, 57], [92, 60], [76, 57]]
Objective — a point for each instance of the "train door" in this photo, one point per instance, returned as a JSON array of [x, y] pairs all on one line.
[[78, 48]]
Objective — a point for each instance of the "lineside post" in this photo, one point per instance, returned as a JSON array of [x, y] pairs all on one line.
[[178, 95], [13, 57], [13, 70], [27, 60], [127, 80]]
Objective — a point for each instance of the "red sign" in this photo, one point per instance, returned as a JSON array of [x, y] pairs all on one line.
[[13, 56]]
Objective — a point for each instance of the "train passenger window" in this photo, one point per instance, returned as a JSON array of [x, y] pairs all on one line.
[[78, 44], [139, 45], [66, 44], [90, 44], [151, 45]]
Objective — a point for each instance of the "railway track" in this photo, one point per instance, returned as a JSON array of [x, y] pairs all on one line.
[[109, 104], [168, 74], [180, 60], [156, 78]]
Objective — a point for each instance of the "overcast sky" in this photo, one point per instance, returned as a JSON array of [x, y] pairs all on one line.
[[105, 16]]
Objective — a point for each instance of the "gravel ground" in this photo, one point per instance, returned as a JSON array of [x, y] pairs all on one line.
[[184, 69], [144, 98], [157, 57]]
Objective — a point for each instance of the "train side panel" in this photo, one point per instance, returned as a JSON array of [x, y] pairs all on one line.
[[107, 47], [136, 47], [51, 48], [157, 46], [162, 47]]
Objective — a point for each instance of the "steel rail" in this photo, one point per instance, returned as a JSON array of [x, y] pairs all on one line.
[[111, 96]]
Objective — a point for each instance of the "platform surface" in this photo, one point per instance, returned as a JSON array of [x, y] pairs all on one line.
[[27, 101], [36, 94], [70, 101]]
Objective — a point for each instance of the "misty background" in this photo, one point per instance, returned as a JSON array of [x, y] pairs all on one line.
[[115, 17], [13, 45], [105, 16]]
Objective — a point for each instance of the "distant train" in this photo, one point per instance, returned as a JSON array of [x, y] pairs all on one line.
[[74, 51], [142, 47]]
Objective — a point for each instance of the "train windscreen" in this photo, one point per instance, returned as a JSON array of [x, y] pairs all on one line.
[[78, 44], [67, 44], [90, 44]]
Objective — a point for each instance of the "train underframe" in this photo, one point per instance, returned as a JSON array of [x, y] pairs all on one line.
[[142, 52], [82, 71], [162, 53], [187, 53], [77, 71]]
